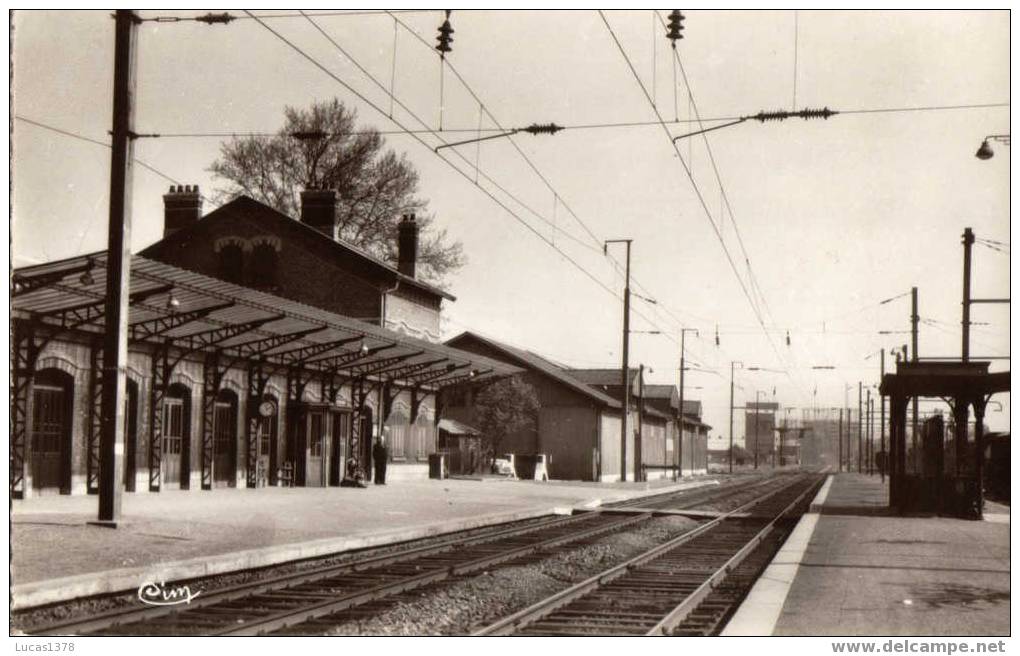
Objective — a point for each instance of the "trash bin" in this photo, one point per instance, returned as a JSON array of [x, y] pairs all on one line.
[[437, 466]]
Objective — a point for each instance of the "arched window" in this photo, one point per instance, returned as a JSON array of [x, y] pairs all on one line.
[[263, 266], [232, 263]]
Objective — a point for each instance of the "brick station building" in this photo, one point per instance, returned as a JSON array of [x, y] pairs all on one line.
[[261, 351]]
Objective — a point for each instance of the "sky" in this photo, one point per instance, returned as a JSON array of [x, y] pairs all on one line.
[[834, 216]]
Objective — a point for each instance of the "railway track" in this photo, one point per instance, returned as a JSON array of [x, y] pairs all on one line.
[[318, 595], [687, 586]]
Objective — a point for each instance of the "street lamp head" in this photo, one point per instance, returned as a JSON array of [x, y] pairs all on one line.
[[985, 151]]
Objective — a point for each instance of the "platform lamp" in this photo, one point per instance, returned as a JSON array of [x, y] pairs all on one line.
[[985, 150]]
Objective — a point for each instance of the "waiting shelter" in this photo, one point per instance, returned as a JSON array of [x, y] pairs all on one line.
[[953, 485]]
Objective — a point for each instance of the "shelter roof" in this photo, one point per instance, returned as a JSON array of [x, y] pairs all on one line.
[[210, 314]]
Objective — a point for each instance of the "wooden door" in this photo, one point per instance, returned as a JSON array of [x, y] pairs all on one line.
[[314, 470], [339, 446], [265, 440], [224, 443], [173, 439], [50, 439]]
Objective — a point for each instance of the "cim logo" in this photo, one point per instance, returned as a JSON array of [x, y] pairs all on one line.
[[159, 594]]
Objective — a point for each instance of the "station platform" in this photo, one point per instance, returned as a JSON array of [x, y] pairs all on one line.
[[176, 535], [850, 568]]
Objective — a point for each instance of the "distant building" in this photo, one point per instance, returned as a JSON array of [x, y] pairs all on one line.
[[579, 421], [760, 430]]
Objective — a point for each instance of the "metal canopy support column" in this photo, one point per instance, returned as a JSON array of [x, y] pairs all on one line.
[[95, 427], [979, 452], [961, 412], [160, 382], [257, 381], [898, 444], [23, 372], [212, 376]]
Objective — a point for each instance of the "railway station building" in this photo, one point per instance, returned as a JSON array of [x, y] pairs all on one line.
[[579, 421], [261, 351]]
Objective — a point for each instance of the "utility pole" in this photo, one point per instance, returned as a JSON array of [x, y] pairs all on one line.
[[756, 396], [118, 270], [639, 473], [914, 318], [683, 333], [625, 378], [885, 456], [860, 426], [732, 364], [840, 466], [871, 449], [968, 241]]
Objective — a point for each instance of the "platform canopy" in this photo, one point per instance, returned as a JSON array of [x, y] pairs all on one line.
[[944, 379], [196, 313]]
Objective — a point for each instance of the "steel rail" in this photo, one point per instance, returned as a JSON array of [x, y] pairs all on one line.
[[332, 605], [116, 617], [542, 608], [281, 583], [692, 601]]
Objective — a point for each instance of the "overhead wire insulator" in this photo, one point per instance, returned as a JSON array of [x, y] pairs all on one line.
[[675, 27], [211, 18], [545, 128], [782, 115], [445, 38]]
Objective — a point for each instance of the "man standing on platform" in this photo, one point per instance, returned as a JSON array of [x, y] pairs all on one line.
[[379, 456]]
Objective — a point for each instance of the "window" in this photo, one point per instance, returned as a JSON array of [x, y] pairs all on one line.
[[232, 263], [315, 431], [263, 266], [173, 425]]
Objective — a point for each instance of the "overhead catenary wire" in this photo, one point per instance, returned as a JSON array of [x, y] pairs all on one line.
[[435, 134], [697, 190], [545, 180], [488, 113], [577, 126], [312, 60]]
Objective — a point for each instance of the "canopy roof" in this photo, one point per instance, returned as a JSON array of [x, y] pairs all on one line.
[[238, 321], [944, 379]]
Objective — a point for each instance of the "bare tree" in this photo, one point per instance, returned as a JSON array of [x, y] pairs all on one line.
[[322, 148]]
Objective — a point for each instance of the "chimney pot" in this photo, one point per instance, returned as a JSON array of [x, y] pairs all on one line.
[[407, 245], [182, 206], [318, 210]]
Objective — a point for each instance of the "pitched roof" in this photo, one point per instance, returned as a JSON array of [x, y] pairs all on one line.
[[662, 392], [605, 377], [531, 360], [252, 210]]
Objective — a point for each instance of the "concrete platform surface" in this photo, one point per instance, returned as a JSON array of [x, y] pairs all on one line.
[[864, 572], [173, 535]]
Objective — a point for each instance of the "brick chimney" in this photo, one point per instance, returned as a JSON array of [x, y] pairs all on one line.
[[182, 206], [407, 245], [318, 210]]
